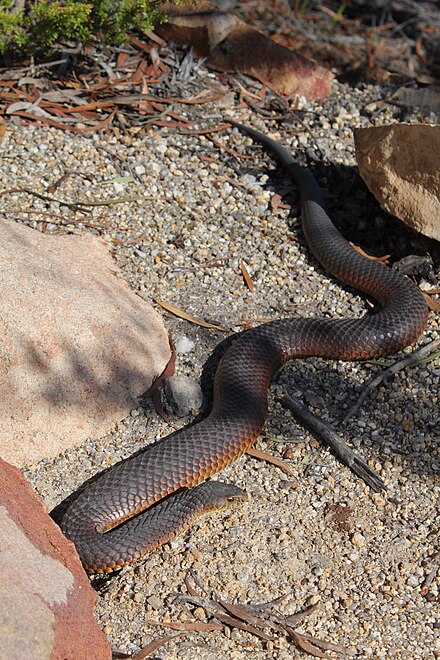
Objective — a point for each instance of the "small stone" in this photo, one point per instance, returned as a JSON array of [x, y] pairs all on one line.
[[199, 614], [184, 394], [358, 540], [184, 345], [154, 602], [378, 499]]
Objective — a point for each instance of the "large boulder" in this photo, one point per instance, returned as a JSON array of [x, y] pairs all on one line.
[[77, 346], [46, 604], [400, 165]]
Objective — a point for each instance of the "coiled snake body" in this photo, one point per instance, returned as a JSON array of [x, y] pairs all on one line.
[[188, 457]]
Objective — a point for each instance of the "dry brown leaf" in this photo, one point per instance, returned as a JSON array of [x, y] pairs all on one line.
[[275, 202], [3, 126], [49, 122], [236, 623], [231, 45], [432, 304], [242, 612], [382, 260], [313, 645], [258, 453], [156, 644], [184, 315], [304, 644], [246, 275]]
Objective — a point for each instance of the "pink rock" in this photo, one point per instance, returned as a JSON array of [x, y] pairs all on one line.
[[46, 604], [77, 346]]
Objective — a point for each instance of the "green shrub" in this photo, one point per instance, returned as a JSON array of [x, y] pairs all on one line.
[[39, 28]]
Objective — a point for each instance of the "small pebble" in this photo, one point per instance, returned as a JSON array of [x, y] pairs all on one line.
[[184, 345], [154, 602], [358, 540]]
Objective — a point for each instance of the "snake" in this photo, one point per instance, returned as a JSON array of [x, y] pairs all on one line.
[[150, 497]]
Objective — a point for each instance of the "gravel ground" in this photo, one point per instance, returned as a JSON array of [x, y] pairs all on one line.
[[364, 568]]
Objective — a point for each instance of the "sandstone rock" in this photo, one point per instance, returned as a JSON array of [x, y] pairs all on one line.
[[77, 346], [401, 166], [46, 604]]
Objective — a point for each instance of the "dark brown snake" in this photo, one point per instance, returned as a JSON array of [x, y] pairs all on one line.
[[188, 457]]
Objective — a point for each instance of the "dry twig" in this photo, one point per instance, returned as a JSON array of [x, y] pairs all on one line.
[[418, 357], [330, 437]]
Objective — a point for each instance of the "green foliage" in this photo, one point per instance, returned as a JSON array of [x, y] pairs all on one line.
[[12, 27], [114, 17], [50, 22], [46, 23]]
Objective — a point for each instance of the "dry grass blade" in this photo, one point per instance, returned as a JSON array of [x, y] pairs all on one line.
[[423, 355], [189, 626], [70, 173], [78, 206], [220, 145], [45, 198], [206, 131], [155, 645], [128, 241], [111, 202], [63, 220], [184, 315]]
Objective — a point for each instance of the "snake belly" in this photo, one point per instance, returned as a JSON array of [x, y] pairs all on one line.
[[164, 473]]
